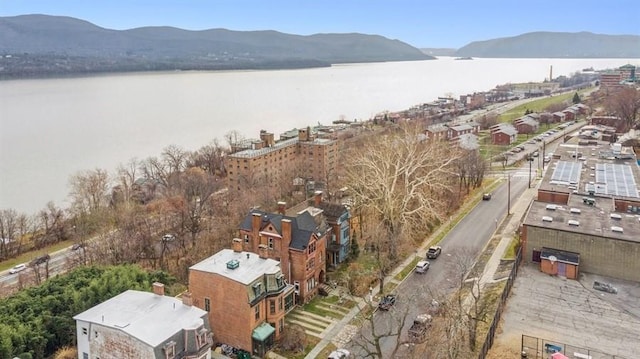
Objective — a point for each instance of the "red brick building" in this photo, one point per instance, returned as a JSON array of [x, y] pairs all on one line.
[[503, 134], [298, 242], [526, 124], [246, 297]]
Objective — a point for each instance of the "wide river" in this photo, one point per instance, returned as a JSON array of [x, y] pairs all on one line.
[[53, 128]]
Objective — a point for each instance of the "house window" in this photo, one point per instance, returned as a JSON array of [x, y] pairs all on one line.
[[207, 304], [201, 337], [280, 280], [257, 289], [84, 331], [170, 350], [85, 356], [257, 312], [281, 325], [270, 243], [280, 303], [272, 307], [95, 333], [246, 238], [311, 264]]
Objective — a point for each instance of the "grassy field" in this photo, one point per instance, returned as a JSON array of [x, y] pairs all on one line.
[[28, 256], [536, 106]]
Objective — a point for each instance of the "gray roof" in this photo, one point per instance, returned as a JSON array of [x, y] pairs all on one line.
[[148, 317], [504, 128], [251, 266], [303, 226], [463, 127]]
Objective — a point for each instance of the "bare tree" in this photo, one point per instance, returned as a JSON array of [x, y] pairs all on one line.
[[403, 180], [54, 225], [624, 103], [9, 222], [210, 158], [126, 178], [233, 138], [471, 168], [89, 191]]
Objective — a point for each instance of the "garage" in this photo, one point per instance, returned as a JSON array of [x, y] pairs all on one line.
[[559, 262]]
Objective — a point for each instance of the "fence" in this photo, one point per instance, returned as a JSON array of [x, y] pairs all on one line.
[[538, 348], [488, 342]]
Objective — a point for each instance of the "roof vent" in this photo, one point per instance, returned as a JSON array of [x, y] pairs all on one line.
[[617, 229], [551, 207], [575, 210], [615, 216], [233, 264], [547, 219], [573, 222]]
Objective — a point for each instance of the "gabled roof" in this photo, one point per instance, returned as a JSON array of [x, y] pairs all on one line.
[[505, 128], [333, 210], [463, 127], [149, 317], [303, 226]]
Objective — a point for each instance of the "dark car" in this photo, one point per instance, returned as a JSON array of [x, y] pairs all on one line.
[[39, 260], [387, 302], [433, 252], [486, 196]]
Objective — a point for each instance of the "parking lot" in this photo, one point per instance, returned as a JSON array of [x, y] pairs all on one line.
[[572, 315]]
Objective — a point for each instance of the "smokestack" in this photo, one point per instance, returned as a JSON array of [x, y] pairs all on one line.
[[282, 206], [550, 73], [262, 251], [237, 245], [158, 288], [186, 299], [317, 198]]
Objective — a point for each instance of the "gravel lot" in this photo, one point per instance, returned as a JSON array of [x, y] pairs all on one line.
[[570, 312]]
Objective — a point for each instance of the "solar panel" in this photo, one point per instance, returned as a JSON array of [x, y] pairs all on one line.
[[566, 172], [615, 180]]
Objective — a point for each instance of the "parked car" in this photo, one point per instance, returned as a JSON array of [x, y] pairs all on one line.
[[387, 302], [605, 287], [486, 196], [40, 260], [168, 237], [433, 252], [422, 267], [18, 268], [76, 246], [339, 354]]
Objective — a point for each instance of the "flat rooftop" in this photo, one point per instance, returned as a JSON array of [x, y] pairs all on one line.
[[249, 266], [598, 219], [598, 168], [138, 314]]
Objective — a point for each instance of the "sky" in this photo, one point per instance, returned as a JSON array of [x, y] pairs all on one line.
[[420, 23]]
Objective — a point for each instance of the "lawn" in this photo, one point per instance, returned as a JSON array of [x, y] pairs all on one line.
[[28, 256], [536, 106]]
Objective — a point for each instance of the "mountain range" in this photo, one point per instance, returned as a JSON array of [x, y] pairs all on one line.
[[77, 45], [555, 45], [44, 45]]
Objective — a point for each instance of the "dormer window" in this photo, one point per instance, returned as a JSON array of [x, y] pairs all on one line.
[[201, 337], [257, 289], [170, 350], [280, 280]]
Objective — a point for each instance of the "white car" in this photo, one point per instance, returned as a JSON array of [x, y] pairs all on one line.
[[18, 268], [339, 354], [422, 267]]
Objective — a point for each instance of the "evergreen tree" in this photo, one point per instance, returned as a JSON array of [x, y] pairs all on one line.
[[576, 98]]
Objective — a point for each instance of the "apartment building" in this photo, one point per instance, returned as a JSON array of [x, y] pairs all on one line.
[[266, 161], [144, 325], [245, 296]]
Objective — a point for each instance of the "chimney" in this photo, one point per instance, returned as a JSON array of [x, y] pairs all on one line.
[[237, 245], [282, 206], [317, 198], [158, 288], [186, 299], [262, 251]]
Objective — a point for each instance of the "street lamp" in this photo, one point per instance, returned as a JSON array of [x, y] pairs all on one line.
[[530, 159]]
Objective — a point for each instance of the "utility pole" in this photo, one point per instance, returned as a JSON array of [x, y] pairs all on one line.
[[509, 194], [530, 159]]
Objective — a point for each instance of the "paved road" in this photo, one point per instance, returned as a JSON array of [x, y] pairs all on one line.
[[468, 236]]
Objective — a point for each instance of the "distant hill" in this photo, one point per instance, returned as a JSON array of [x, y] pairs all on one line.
[[57, 44], [439, 51], [556, 45]]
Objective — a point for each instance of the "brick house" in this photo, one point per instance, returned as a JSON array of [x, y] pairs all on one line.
[[457, 130], [526, 124], [503, 134], [559, 116], [298, 242], [570, 114], [245, 295], [437, 132], [137, 324]]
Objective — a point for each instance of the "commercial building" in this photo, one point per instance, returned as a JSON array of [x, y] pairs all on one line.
[[144, 325], [245, 296], [588, 209]]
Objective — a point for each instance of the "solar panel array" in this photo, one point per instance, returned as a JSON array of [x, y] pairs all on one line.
[[566, 172], [615, 180]]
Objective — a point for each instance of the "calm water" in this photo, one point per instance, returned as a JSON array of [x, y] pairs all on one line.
[[50, 129]]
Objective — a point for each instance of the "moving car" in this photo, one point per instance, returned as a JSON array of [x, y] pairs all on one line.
[[387, 302], [422, 267], [339, 354], [18, 268], [433, 252], [486, 196]]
